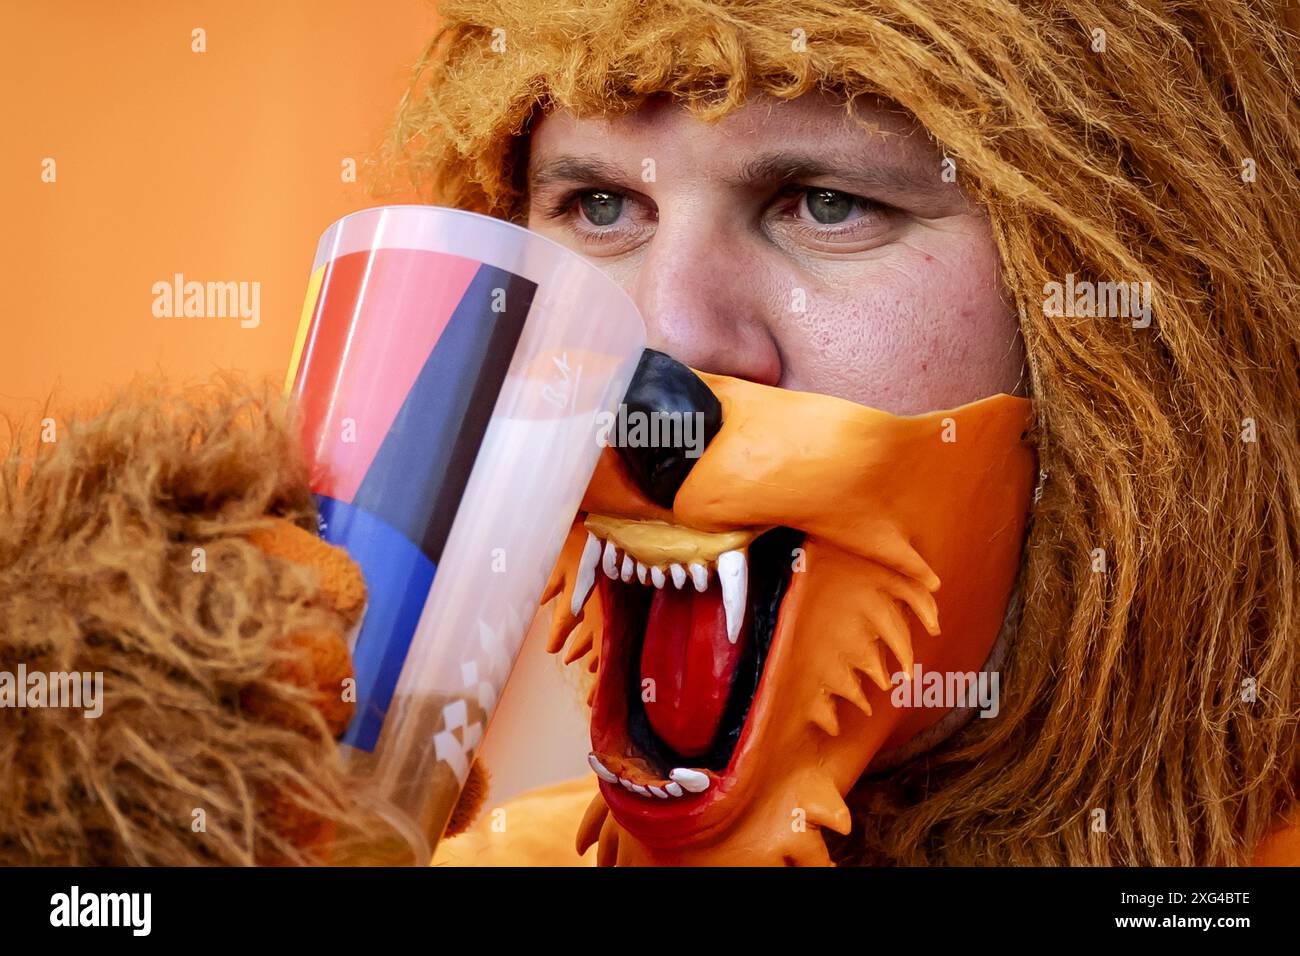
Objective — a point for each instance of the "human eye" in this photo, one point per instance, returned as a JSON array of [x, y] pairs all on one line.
[[830, 207], [600, 207], [607, 221], [830, 219]]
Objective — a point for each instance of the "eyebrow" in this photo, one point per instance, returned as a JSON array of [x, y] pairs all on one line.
[[789, 166], [575, 169], [784, 166]]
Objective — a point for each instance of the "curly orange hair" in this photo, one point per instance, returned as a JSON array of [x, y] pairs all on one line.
[[1116, 141]]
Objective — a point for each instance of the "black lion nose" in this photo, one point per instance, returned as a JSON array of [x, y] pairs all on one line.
[[678, 415]]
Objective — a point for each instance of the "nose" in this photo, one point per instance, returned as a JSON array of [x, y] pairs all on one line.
[[668, 399], [702, 292]]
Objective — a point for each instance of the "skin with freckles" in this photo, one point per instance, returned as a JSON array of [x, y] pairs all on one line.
[[788, 244]]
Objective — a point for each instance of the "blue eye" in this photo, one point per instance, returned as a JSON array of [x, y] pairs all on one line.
[[601, 208], [830, 206]]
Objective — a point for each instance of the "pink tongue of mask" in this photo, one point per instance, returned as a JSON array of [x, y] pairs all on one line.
[[687, 655]]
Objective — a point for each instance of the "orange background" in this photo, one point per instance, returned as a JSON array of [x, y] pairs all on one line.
[[224, 166]]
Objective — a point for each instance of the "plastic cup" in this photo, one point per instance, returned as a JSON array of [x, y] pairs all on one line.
[[450, 369]]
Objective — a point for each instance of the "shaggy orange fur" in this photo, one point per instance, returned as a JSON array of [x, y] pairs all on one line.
[[125, 549], [151, 541], [1123, 689]]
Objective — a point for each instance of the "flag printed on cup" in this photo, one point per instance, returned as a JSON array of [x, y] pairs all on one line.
[[395, 410], [451, 371]]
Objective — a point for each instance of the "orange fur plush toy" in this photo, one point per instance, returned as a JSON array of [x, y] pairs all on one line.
[[173, 668]]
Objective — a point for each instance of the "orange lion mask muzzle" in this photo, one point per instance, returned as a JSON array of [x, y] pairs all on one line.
[[748, 640]]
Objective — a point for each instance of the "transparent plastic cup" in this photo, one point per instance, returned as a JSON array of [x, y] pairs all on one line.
[[450, 369]]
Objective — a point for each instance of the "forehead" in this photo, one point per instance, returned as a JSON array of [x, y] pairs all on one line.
[[665, 131]]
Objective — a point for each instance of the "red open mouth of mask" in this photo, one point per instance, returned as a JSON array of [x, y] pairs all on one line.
[[748, 611]]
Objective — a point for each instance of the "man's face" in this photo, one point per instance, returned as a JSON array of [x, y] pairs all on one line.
[[788, 245]]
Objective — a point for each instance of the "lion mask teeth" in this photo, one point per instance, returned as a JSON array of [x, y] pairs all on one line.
[[658, 543], [660, 555]]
